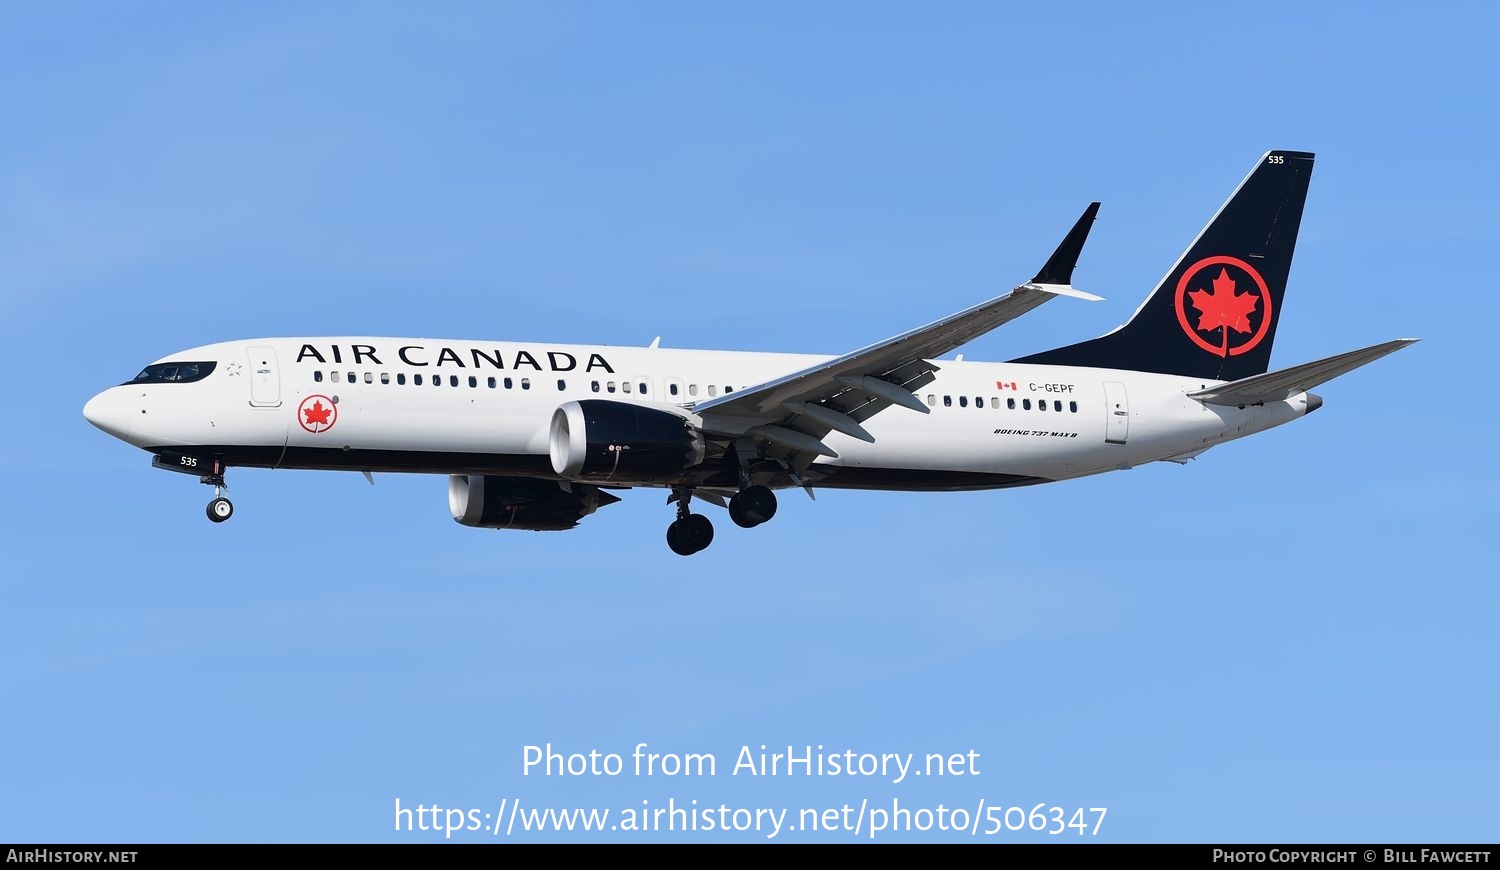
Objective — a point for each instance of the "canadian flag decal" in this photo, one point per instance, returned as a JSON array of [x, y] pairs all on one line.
[[1005, 385]]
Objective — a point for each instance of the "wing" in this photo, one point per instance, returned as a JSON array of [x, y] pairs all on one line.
[[792, 415]]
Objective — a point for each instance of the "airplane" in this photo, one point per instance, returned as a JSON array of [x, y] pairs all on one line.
[[539, 436]]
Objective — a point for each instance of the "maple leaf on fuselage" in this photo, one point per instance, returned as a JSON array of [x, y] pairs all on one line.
[[1223, 307], [317, 415]]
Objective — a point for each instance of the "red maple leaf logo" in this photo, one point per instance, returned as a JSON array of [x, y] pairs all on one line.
[[317, 415], [1223, 308]]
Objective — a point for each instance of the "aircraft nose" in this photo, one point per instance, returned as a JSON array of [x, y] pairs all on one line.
[[107, 411]]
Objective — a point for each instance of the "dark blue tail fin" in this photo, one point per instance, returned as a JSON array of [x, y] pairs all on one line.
[[1214, 314]]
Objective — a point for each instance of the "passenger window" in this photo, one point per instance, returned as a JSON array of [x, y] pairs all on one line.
[[453, 380], [401, 378], [437, 380], [963, 401], [1073, 407], [727, 390], [609, 387], [473, 382], [1041, 404], [979, 401], [641, 388], [385, 378], [369, 378], [507, 383], [692, 389], [947, 401], [1026, 404], [994, 401], [1010, 404], [672, 388], [594, 386], [713, 389], [353, 378], [333, 376], [931, 399], [525, 383], [491, 383], [318, 376], [561, 385], [416, 379], [1057, 406]]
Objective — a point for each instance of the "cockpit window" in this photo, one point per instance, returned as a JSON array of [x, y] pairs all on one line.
[[174, 373]]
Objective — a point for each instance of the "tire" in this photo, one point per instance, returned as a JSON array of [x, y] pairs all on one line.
[[697, 532], [737, 514], [758, 503], [220, 509], [676, 541]]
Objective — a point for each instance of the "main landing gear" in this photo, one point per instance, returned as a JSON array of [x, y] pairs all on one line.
[[221, 508], [691, 533], [752, 506]]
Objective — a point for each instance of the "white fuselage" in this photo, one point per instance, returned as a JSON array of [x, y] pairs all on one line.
[[485, 408]]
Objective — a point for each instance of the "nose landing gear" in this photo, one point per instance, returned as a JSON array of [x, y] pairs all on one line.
[[220, 509]]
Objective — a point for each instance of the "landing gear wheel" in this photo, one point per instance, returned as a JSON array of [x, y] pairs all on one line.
[[691, 534], [220, 509], [698, 531], [675, 541], [752, 506], [737, 513]]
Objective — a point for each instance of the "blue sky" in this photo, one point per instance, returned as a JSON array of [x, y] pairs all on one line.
[[1290, 639]]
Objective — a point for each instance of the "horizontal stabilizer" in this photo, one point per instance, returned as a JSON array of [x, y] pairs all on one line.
[[1279, 385]]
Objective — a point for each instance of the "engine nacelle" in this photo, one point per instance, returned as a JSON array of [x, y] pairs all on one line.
[[522, 502], [623, 443]]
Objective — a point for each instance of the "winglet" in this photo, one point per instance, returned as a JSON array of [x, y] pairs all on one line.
[[1059, 268]]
